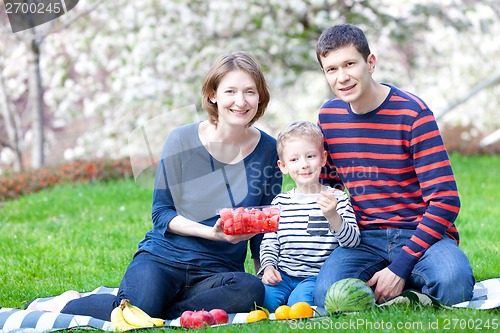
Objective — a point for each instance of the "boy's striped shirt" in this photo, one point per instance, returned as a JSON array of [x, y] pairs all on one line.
[[304, 241], [396, 168]]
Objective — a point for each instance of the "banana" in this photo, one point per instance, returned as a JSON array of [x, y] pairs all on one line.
[[118, 321], [137, 317], [140, 313]]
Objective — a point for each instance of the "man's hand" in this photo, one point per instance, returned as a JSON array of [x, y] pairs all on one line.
[[387, 285]]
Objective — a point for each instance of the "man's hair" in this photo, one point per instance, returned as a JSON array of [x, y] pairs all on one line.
[[342, 35], [226, 63], [299, 129]]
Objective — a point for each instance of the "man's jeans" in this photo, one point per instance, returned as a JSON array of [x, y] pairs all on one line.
[[443, 272]]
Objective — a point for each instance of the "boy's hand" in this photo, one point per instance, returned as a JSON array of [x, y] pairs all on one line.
[[271, 276], [328, 204]]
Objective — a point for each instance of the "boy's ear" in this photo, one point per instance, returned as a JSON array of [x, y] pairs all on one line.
[[323, 161], [282, 167]]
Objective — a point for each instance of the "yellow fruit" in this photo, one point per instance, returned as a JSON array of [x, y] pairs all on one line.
[[282, 312], [118, 321], [137, 317], [301, 310], [256, 315]]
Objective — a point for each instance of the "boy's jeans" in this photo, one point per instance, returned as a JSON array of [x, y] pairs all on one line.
[[289, 291], [443, 272]]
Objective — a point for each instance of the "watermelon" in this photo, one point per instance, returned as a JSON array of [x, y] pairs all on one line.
[[349, 295], [250, 220]]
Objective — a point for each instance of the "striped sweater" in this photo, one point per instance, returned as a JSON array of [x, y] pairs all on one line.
[[396, 168], [304, 241]]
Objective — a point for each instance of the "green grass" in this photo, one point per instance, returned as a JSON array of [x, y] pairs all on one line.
[[478, 182], [76, 237], [83, 236]]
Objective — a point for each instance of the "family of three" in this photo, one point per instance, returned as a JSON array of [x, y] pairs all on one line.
[[395, 230]]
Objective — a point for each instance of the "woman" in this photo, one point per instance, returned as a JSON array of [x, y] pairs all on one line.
[[186, 262]]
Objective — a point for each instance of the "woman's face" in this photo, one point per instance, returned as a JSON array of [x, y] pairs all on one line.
[[237, 98]]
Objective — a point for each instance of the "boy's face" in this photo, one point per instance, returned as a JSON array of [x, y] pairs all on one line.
[[302, 159], [347, 73]]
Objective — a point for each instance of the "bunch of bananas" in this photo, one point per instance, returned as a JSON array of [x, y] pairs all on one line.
[[128, 317]]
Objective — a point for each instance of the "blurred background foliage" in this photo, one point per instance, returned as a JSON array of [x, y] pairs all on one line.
[[107, 67]]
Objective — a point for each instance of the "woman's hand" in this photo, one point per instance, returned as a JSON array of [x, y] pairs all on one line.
[[271, 276], [184, 227], [233, 239]]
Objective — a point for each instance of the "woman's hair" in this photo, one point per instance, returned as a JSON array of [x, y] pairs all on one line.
[[227, 63], [299, 129], [337, 36]]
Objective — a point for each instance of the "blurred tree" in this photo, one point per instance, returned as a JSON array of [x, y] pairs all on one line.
[[11, 121], [31, 40], [127, 62]]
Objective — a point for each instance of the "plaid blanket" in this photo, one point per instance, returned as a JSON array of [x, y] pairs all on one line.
[[486, 296]]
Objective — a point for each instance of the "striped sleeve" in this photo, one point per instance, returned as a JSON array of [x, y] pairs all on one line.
[[269, 251], [270, 247], [439, 192]]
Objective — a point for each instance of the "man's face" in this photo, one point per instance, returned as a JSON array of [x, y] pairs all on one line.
[[347, 73]]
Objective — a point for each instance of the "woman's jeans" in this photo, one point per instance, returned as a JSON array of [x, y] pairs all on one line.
[[165, 291], [443, 272], [289, 291]]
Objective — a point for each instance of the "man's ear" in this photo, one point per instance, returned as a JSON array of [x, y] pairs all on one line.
[[282, 167], [371, 60]]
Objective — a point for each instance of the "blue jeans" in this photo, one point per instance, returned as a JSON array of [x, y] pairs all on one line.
[[289, 291], [163, 290], [443, 272]]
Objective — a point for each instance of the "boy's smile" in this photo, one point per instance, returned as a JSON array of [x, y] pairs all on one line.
[[303, 159]]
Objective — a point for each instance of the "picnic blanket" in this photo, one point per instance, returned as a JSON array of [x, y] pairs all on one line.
[[486, 296]]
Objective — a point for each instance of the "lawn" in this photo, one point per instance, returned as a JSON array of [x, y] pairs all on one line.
[[83, 236]]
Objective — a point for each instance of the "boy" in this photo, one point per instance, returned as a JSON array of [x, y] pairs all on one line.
[[315, 219]]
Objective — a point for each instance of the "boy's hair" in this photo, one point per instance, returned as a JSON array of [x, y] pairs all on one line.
[[338, 36], [299, 129], [224, 64]]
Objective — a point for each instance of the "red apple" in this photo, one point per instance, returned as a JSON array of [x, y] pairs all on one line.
[[187, 319], [220, 316], [201, 319]]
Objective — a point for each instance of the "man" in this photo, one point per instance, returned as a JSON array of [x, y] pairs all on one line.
[[386, 149]]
